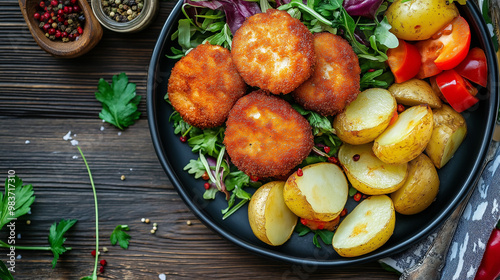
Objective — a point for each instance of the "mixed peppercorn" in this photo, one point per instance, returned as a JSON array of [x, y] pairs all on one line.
[[60, 19], [122, 10]]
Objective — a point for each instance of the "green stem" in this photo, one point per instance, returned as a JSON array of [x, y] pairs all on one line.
[[5, 245], [309, 10], [187, 131], [94, 273], [235, 208]]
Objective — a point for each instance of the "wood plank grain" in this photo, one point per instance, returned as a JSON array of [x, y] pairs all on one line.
[[62, 190]]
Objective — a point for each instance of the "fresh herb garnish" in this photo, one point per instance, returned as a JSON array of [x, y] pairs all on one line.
[[319, 123], [119, 101], [5, 272], [17, 200], [325, 235], [56, 238], [119, 235], [15, 203]]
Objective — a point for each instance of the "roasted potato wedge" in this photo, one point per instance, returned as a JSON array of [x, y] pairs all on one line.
[[270, 219], [405, 139], [366, 117], [366, 228], [415, 92], [448, 133], [319, 194], [367, 173], [419, 19], [420, 188]]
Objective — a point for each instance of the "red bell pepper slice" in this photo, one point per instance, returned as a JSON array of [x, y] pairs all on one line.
[[474, 67], [457, 91], [445, 49], [404, 61], [489, 269]]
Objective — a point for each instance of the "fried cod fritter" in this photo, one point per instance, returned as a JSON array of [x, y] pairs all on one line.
[[204, 85], [335, 81], [273, 51], [265, 136]]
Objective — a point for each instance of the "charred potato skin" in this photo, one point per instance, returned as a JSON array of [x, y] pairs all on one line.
[[414, 92], [419, 190], [447, 123], [412, 144]]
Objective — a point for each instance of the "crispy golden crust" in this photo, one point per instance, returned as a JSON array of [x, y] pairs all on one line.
[[204, 85], [335, 81], [273, 51], [265, 136]]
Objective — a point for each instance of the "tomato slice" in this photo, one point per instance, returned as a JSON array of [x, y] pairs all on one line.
[[429, 51], [445, 49], [404, 61], [474, 67], [457, 91]]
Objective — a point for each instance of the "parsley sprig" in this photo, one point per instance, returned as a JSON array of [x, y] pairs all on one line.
[[119, 101], [120, 236], [15, 203]]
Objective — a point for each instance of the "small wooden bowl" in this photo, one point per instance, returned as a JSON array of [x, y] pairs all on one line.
[[92, 32]]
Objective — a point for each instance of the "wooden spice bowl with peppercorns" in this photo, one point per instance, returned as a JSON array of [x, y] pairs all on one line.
[[62, 28]]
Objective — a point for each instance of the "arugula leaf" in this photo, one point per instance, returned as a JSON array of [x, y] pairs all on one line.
[[210, 193], [17, 200], [325, 235], [236, 178], [180, 126], [5, 272], [56, 238], [208, 142], [119, 235], [384, 36], [195, 167], [319, 123], [119, 101], [302, 229]]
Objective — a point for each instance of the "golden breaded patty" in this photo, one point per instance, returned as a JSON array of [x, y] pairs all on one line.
[[265, 136], [204, 85], [335, 81], [273, 51]]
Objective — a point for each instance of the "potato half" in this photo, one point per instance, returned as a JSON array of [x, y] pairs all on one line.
[[419, 19], [366, 228], [448, 133], [407, 137], [366, 117], [319, 194], [367, 173], [270, 219], [415, 92], [419, 190]]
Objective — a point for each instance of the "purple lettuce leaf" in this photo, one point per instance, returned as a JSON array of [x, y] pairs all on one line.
[[236, 11], [364, 8]]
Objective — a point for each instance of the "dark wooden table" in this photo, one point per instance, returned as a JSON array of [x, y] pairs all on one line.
[[42, 98]]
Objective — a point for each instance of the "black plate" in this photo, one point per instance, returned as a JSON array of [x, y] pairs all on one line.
[[457, 177]]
